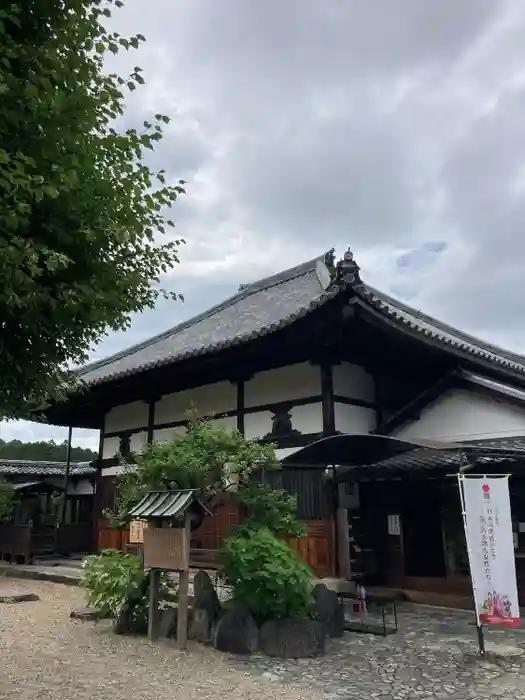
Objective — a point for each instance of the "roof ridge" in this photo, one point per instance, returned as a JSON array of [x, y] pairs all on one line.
[[22, 462], [247, 290]]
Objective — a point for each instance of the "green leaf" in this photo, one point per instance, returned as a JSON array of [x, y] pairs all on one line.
[[77, 198]]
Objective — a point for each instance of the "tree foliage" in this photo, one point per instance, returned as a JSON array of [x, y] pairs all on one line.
[[79, 208], [7, 501], [266, 506], [206, 457], [43, 450]]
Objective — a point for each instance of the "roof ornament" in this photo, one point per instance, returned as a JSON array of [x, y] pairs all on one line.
[[329, 261], [347, 270]]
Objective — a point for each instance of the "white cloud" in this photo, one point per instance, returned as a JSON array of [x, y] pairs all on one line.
[[303, 124]]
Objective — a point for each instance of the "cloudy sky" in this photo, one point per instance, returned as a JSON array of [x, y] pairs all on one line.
[[395, 127]]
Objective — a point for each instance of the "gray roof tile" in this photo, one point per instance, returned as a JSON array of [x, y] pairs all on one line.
[[271, 304], [256, 310], [167, 504], [438, 331], [23, 467]]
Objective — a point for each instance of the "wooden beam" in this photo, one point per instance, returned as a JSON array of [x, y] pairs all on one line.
[[327, 391]]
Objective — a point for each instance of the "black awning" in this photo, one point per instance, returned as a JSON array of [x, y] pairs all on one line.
[[365, 457], [357, 449]]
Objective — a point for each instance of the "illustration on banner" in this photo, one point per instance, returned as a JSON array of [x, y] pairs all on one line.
[[491, 549]]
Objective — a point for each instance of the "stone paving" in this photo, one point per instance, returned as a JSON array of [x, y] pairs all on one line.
[[434, 655]]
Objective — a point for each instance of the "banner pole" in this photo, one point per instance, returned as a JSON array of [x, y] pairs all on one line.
[[479, 626]]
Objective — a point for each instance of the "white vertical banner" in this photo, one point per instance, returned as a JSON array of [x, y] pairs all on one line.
[[488, 529]]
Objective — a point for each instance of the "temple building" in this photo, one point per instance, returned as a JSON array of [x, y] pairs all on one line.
[[372, 405]]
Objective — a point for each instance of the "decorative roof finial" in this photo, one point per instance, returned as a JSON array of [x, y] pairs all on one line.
[[347, 270], [329, 260]]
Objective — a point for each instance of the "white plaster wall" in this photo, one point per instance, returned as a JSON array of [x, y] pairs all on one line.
[[353, 382], [283, 384], [228, 422], [354, 419], [126, 417], [208, 399], [164, 435], [258, 424], [117, 470], [138, 441], [110, 447], [465, 415], [306, 419]]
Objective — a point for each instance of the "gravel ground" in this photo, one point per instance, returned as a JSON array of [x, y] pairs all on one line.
[[44, 654]]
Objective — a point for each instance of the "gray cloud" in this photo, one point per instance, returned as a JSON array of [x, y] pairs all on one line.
[[395, 127]]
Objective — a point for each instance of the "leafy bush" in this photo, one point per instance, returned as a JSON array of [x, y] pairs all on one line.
[[267, 575], [266, 506], [111, 577], [205, 457], [7, 501]]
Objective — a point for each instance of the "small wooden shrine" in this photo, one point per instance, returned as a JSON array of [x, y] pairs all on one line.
[[164, 520]]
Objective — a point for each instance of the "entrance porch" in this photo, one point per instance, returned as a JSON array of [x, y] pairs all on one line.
[[397, 514]]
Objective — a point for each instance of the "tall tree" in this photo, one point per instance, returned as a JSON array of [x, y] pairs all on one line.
[[79, 209]]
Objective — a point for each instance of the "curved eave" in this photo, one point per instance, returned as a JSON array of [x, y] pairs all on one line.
[[366, 301], [213, 348]]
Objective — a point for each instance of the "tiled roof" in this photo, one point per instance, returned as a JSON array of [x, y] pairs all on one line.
[[498, 451], [440, 332], [166, 504], [275, 302], [256, 310], [23, 467]]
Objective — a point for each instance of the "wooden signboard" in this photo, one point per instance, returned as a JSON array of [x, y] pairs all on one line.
[[166, 548], [136, 531]]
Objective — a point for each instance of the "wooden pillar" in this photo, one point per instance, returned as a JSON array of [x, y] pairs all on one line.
[[184, 579], [151, 419], [240, 406], [327, 391], [343, 540], [153, 609], [66, 474]]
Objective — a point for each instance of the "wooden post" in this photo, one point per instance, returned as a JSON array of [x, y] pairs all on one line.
[[182, 602], [343, 540], [153, 610]]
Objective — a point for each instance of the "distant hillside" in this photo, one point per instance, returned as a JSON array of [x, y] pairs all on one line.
[[49, 451]]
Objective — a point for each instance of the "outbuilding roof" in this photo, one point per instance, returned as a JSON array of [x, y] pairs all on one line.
[[167, 505], [25, 467], [275, 302]]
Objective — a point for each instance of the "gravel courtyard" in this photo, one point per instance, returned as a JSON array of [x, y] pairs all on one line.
[[44, 655]]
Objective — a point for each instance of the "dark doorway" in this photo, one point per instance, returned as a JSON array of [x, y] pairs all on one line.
[[422, 531]]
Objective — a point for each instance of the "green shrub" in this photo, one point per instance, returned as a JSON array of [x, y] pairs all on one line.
[[266, 506], [111, 577], [7, 501], [267, 575]]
